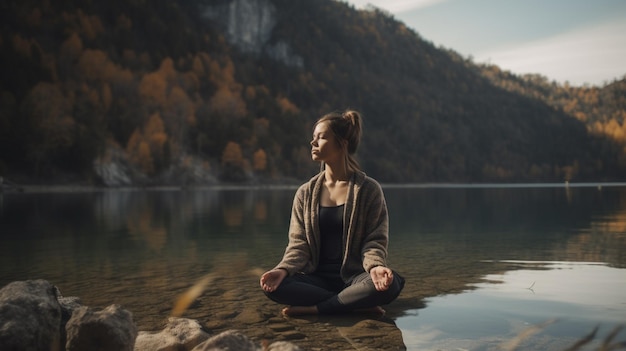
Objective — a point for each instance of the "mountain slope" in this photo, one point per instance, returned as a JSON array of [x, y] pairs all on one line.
[[230, 89]]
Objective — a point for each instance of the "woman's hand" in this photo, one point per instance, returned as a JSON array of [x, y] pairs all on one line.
[[382, 277], [270, 280]]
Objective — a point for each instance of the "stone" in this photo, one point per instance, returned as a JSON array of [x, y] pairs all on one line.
[[30, 316], [113, 168], [228, 340], [249, 316], [68, 306], [179, 334], [368, 333], [282, 346], [112, 328]]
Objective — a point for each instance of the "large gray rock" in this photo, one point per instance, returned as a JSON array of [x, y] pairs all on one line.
[[109, 329], [30, 316], [180, 334], [113, 168]]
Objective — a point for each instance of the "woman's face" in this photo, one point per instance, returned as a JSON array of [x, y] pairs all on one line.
[[325, 146]]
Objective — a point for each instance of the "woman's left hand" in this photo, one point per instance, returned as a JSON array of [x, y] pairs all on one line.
[[382, 277]]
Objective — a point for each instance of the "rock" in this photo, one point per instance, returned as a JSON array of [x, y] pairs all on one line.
[[30, 316], [282, 52], [113, 168], [368, 334], [248, 23], [228, 340], [250, 316], [68, 305], [109, 329], [179, 334], [282, 346]]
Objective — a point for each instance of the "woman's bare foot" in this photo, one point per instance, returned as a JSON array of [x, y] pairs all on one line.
[[290, 311]]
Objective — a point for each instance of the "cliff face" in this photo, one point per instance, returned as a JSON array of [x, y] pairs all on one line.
[[248, 26]]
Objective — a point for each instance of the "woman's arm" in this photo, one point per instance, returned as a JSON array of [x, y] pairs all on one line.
[[376, 228], [298, 252]]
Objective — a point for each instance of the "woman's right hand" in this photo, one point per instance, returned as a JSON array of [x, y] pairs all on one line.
[[270, 280]]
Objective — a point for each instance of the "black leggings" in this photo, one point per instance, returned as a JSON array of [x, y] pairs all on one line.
[[331, 295]]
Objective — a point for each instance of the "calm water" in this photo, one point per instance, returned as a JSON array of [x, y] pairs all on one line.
[[483, 264]]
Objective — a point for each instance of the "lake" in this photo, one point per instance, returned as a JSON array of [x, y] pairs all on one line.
[[490, 267]]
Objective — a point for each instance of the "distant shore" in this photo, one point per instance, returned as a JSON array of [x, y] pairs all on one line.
[[52, 188]]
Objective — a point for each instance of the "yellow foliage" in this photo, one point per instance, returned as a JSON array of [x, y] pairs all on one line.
[[232, 154], [133, 143], [154, 125], [222, 75], [287, 106], [152, 88], [191, 81], [95, 65], [144, 158], [157, 140], [154, 134], [91, 25], [226, 102], [179, 103], [250, 93], [167, 70], [259, 161], [139, 153], [72, 47]]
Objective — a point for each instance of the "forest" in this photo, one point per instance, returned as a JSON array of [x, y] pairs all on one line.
[[161, 90]]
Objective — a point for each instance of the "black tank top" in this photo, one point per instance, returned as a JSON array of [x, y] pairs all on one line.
[[331, 237]]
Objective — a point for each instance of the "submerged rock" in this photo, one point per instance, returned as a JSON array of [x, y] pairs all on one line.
[[178, 335], [30, 316], [228, 340], [109, 329]]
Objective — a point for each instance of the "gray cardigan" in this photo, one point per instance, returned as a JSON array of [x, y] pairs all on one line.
[[365, 233]]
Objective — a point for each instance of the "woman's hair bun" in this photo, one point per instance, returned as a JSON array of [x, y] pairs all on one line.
[[352, 116]]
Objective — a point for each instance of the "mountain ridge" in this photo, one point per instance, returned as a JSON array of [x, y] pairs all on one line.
[[167, 91]]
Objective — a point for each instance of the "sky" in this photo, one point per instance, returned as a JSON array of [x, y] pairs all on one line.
[[582, 42]]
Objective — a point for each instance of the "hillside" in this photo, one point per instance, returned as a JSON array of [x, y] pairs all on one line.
[[197, 91]]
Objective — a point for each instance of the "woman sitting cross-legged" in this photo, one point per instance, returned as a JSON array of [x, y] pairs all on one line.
[[335, 261]]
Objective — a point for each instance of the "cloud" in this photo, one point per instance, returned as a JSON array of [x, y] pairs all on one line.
[[396, 6], [593, 55]]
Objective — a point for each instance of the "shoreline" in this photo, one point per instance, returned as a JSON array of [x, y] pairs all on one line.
[[58, 188]]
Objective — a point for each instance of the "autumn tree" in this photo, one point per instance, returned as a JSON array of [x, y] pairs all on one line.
[[234, 166], [148, 147], [259, 163]]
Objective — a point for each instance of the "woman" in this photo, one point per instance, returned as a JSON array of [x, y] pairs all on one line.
[[335, 260]]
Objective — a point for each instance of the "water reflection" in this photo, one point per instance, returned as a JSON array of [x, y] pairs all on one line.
[[143, 248], [568, 298]]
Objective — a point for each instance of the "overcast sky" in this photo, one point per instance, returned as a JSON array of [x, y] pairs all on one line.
[[579, 41]]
